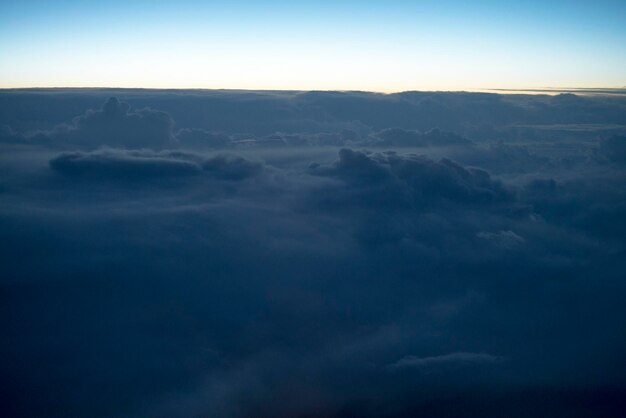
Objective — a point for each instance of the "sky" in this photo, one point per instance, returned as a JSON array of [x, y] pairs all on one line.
[[327, 45]]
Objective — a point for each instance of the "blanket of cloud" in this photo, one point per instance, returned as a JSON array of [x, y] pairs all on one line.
[[241, 254]]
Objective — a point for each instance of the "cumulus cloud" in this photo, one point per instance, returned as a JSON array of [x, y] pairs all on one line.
[[115, 124], [415, 180]]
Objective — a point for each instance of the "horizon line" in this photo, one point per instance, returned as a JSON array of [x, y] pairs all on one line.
[[537, 91]]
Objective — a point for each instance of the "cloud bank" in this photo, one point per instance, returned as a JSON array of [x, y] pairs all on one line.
[[246, 254]]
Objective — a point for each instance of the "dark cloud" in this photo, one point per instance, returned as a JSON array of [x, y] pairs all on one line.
[[116, 125], [113, 125], [259, 260], [414, 180], [473, 115], [109, 163]]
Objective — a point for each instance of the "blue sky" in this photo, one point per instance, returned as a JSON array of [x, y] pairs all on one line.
[[365, 45]]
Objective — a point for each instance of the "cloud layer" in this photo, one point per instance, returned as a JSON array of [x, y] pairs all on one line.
[[349, 263]]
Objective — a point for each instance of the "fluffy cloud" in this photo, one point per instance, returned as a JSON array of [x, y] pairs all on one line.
[[114, 125], [414, 181]]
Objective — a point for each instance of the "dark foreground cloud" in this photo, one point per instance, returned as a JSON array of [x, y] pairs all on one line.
[[124, 165], [411, 181], [314, 274]]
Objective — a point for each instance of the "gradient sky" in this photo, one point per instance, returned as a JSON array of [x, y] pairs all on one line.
[[344, 45]]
